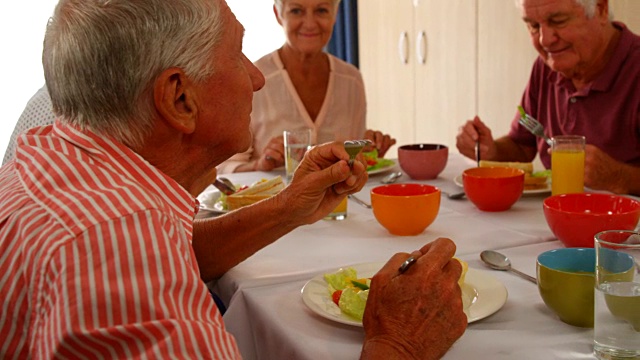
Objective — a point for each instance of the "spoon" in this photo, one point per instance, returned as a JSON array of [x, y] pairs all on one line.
[[391, 178], [498, 261], [224, 185], [454, 196], [359, 201]]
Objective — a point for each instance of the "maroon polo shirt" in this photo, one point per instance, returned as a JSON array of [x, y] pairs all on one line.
[[607, 112]]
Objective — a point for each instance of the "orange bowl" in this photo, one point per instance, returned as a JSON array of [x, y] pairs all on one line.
[[493, 188], [575, 218], [423, 161], [405, 209]]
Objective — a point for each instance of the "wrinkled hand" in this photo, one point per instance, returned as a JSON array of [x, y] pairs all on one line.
[[418, 313], [467, 136], [382, 142], [602, 172], [272, 155], [321, 181]]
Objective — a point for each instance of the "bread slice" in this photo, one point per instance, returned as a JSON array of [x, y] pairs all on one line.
[[534, 182], [259, 191], [527, 167]]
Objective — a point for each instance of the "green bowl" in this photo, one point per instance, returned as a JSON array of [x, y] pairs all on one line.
[[566, 280]]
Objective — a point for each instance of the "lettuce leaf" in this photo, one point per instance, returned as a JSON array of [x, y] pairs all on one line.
[[372, 157], [340, 279], [353, 301]]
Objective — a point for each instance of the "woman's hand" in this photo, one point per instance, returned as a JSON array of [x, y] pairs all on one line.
[[381, 142], [272, 155]]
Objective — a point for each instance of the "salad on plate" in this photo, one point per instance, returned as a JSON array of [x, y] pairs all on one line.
[[350, 293], [376, 163]]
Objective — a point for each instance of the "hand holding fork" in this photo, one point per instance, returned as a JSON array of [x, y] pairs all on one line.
[[533, 125]]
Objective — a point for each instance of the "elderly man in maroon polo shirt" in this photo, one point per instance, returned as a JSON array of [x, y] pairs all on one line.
[[586, 81]]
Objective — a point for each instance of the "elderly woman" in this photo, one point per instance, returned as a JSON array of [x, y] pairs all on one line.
[[305, 88]]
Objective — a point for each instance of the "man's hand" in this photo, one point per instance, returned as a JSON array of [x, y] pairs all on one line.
[[321, 181], [602, 172], [468, 135], [417, 314]]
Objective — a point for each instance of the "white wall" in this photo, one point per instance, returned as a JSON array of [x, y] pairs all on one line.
[[22, 32], [21, 35]]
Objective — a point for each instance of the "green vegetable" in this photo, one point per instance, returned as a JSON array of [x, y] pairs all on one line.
[[522, 112], [542, 173], [380, 162], [353, 301], [341, 279], [360, 285]]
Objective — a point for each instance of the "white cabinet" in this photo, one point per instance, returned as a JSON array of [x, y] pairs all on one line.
[[505, 57], [463, 57], [418, 61], [386, 37], [627, 11]]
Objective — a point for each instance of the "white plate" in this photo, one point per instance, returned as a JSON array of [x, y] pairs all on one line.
[[209, 201], [545, 190], [382, 169], [482, 295]]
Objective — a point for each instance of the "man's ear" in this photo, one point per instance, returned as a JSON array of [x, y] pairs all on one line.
[[174, 99], [602, 9]]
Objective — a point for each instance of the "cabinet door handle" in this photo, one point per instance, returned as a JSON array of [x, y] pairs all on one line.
[[403, 48], [421, 47]]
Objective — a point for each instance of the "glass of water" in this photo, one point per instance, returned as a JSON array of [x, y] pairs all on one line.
[[296, 143], [617, 295]]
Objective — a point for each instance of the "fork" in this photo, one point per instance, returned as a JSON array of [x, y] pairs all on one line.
[[533, 125], [224, 185], [353, 147]]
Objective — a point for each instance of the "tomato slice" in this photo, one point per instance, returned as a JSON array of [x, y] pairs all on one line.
[[336, 296]]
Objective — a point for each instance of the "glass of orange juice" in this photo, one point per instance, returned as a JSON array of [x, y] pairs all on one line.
[[567, 164], [340, 212]]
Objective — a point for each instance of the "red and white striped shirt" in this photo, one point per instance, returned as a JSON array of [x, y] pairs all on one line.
[[96, 258]]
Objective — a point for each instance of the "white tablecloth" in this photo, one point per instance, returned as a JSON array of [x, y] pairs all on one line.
[[270, 321]]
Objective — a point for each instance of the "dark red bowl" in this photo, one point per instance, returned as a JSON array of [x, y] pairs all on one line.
[[575, 218], [423, 161]]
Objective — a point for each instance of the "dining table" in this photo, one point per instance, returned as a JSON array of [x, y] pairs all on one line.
[[264, 294]]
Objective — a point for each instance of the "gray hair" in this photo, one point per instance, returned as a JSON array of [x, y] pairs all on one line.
[[101, 58], [280, 5], [589, 7]]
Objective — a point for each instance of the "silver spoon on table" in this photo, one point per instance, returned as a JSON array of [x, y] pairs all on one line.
[[391, 178], [498, 261]]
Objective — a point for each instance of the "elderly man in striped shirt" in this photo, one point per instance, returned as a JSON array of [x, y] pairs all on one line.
[[99, 255]]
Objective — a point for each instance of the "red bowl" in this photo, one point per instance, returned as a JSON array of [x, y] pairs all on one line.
[[575, 218], [493, 188]]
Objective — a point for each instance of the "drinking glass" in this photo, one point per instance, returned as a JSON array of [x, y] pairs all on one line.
[[296, 144], [617, 295], [340, 212], [567, 164]]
